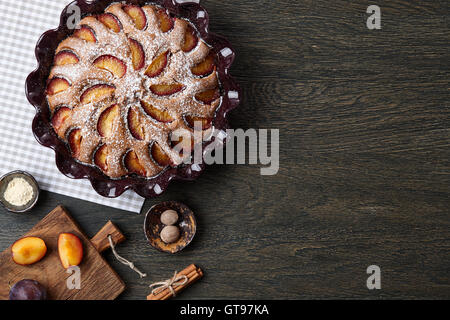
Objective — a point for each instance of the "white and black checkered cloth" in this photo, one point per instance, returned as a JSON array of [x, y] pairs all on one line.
[[21, 24]]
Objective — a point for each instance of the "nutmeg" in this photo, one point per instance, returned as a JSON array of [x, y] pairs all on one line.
[[170, 234], [169, 217]]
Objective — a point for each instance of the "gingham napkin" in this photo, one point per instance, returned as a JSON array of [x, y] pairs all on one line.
[[21, 24]]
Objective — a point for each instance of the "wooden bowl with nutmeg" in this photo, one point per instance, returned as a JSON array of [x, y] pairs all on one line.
[[170, 226]]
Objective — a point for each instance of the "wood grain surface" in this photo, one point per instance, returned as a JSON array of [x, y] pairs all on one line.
[[98, 279], [364, 120]]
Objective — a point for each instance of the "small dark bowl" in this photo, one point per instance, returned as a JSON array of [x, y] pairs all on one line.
[[36, 93], [4, 183], [186, 222]]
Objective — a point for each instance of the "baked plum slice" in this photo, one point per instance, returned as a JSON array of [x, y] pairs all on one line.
[[101, 158], [206, 67], [60, 117], [106, 121], [137, 54], [135, 124], [65, 57], [182, 141], [159, 156], [85, 33], [133, 164], [157, 114], [137, 15], [158, 65], [190, 40], [166, 23], [112, 64], [166, 89], [110, 21], [208, 96], [191, 120], [57, 85], [97, 93], [75, 139]]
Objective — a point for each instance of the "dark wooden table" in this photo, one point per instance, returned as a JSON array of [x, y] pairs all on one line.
[[364, 121]]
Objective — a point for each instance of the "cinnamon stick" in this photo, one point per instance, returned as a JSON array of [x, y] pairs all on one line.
[[193, 277], [193, 273]]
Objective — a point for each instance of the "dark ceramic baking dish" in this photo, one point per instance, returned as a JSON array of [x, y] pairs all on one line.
[[44, 133]]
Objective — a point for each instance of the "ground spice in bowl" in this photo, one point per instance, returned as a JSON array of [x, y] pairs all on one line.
[[19, 191]]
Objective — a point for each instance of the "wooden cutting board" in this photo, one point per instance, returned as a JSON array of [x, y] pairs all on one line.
[[98, 280]]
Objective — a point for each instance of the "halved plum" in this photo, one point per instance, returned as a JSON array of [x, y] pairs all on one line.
[[208, 96], [205, 67], [137, 15], [159, 156], [137, 54], [157, 114], [57, 85], [133, 164], [106, 121], [70, 250], [158, 65], [101, 158], [135, 124], [190, 39], [65, 57], [85, 33], [112, 64], [75, 139], [166, 89], [28, 250], [96, 93], [110, 21]]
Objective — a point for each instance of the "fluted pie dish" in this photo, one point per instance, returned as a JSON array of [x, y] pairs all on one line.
[[110, 94]]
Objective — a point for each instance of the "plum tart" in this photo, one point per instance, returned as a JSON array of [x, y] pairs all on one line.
[[129, 76], [124, 81]]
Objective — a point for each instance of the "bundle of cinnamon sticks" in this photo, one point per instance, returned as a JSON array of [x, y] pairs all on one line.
[[193, 274]]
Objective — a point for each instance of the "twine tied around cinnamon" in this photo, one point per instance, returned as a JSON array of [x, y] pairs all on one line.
[[123, 260], [171, 284]]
